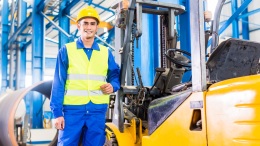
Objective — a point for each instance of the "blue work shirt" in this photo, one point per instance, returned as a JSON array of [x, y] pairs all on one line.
[[60, 75]]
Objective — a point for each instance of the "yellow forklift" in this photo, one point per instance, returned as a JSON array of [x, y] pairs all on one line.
[[219, 107]]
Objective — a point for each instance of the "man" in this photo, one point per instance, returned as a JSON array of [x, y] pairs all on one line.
[[85, 75]]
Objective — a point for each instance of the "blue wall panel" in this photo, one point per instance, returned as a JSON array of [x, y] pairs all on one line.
[[146, 55], [184, 33]]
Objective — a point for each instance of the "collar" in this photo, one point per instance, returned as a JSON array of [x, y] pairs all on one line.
[[80, 45]]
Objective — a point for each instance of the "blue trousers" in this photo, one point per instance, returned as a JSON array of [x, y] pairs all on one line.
[[87, 121]]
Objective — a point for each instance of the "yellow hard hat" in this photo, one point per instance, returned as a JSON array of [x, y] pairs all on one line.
[[88, 12]]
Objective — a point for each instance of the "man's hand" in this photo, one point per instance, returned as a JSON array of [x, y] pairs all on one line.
[[107, 88], [207, 16], [59, 123]]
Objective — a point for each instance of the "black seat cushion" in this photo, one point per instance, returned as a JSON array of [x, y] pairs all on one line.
[[234, 58]]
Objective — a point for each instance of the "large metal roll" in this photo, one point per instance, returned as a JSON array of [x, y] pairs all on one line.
[[8, 107]]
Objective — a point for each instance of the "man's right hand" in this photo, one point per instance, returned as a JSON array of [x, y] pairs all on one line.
[[59, 123]]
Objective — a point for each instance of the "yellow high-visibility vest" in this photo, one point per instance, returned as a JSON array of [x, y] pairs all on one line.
[[84, 76]]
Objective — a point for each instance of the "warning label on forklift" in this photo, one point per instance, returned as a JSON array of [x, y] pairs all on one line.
[[196, 104]]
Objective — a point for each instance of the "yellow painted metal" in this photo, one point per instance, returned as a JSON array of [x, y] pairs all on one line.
[[123, 139], [175, 131], [230, 116], [132, 129], [135, 130], [132, 135], [140, 133], [108, 134], [233, 112], [107, 25]]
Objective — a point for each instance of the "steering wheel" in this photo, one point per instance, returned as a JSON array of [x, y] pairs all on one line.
[[179, 59]]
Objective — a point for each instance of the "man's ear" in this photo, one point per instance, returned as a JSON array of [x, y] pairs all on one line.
[[78, 25]]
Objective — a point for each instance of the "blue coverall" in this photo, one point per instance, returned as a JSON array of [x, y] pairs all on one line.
[[88, 119]]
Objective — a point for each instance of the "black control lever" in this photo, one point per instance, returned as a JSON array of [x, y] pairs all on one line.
[[160, 70], [139, 77]]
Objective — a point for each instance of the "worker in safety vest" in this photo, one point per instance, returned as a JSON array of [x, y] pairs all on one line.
[[85, 75]]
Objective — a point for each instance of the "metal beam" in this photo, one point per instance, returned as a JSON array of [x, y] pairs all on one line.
[[124, 63], [26, 44], [57, 26], [51, 40], [197, 46], [23, 51], [89, 2], [249, 13], [18, 31], [20, 52], [227, 2], [50, 23], [106, 9], [66, 10], [243, 15], [179, 9], [109, 17], [245, 26], [256, 29], [113, 48], [4, 48], [64, 23], [42, 4], [235, 15], [235, 29], [38, 28]]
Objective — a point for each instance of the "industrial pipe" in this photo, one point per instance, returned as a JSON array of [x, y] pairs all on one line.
[[8, 107]]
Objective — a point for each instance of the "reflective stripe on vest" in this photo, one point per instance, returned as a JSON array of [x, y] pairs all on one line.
[[84, 93], [84, 76]]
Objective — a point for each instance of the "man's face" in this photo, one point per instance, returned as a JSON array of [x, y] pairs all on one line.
[[88, 28]]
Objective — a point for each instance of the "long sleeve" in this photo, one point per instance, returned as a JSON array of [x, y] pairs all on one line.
[[58, 86], [113, 76]]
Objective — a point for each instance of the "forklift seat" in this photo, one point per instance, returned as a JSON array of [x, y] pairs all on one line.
[[234, 58]]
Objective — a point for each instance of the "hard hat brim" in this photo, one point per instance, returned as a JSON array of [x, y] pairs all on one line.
[[89, 17]]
